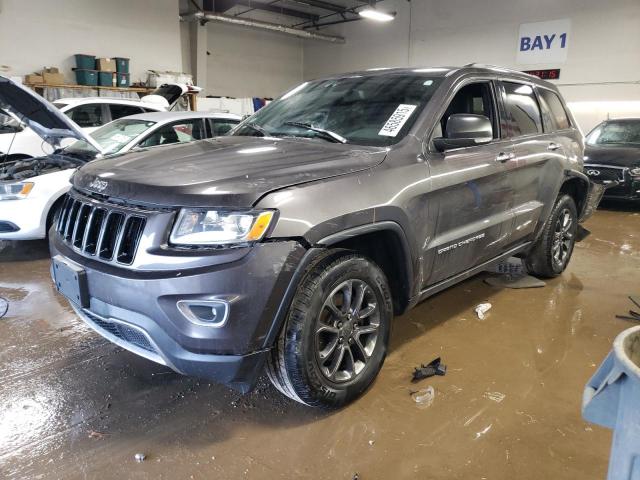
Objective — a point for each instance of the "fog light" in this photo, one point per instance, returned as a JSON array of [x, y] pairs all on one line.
[[208, 313]]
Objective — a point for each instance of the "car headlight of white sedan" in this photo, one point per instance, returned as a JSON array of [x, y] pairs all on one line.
[[15, 191]]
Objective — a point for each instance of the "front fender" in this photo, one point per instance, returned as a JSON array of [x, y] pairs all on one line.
[[586, 193]]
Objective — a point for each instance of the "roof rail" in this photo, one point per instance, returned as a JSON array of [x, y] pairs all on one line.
[[497, 67]]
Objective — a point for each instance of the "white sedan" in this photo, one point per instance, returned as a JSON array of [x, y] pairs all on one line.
[[17, 141], [31, 190]]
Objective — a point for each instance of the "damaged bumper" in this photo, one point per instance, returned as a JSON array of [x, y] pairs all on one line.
[[594, 196], [165, 315]]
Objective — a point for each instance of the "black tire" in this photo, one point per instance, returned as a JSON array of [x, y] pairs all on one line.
[[300, 364], [552, 252]]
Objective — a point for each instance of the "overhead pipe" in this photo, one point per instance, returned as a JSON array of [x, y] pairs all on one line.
[[273, 27]]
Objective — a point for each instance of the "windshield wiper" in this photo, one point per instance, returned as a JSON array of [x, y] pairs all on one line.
[[257, 128], [326, 134]]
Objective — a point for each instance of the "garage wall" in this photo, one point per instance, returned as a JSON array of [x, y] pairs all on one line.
[[38, 33], [243, 62], [600, 77]]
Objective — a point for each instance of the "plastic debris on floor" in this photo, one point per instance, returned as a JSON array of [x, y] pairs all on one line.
[[435, 367], [481, 309], [424, 397]]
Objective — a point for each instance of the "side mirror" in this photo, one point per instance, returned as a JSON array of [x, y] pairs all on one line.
[[465, 130]]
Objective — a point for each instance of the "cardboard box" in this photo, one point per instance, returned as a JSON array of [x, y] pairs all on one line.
[[33, 79], [106, 64], [53, 78], [51, 70]]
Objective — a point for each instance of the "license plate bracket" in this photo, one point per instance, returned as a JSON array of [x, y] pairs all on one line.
[[71, 281]]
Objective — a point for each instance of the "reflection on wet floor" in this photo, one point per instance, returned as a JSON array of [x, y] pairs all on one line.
[[74, 406]]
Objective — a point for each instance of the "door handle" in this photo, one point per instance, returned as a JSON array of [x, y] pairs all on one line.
[[553, 146], [505, 157]]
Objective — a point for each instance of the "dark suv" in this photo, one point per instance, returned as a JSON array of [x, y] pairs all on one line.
[[295, 240]]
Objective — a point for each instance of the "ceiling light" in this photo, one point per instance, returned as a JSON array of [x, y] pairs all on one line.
[[377, 15]]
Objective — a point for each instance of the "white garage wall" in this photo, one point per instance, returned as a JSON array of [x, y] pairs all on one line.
[[38, 33], [601, 76], [244, 62]]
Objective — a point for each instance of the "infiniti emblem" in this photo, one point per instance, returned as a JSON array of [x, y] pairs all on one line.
[[593, 173], [98, 185]]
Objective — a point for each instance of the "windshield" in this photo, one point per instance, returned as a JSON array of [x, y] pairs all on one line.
[[60, 104], [113, 136], [361, 110], [615, 132]]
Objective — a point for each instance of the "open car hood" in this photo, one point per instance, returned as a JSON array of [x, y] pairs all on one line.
[[42, 117]]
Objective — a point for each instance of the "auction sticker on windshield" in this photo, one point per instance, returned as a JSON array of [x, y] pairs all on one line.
[[397, 120]]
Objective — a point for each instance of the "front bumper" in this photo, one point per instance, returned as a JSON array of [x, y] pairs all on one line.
[[138, 309], [26, 216], [617, 181], [594, 196], [629, 190]]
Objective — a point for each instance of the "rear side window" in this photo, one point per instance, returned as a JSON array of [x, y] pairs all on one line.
[[221, 126], [522, 109], [554, 115], [87, 116], [119, 111]]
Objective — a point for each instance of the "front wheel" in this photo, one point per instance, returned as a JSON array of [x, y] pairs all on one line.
[[335, 338], [552, 252]]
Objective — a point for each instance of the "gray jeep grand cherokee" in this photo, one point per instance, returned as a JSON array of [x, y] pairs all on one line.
[[295, 240]]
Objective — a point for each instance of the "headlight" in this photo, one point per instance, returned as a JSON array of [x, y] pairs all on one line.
[[635, 172], [219, 227], [15, 191]]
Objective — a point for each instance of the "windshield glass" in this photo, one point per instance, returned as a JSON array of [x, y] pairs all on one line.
[[615, 132], [113, 136], [361, 110], [60, 104]]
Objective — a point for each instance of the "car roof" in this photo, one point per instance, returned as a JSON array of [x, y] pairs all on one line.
[[169, 116], [622, 120], [447, 71], [121, 101]]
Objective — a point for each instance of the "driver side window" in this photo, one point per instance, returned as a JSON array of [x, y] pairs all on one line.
[[474, 98]]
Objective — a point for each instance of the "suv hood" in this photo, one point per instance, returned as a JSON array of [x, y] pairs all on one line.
[[222, 172], [38, 114], [614, 155]]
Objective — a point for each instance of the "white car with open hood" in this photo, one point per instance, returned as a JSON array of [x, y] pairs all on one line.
[[31, 189], [17, 141]]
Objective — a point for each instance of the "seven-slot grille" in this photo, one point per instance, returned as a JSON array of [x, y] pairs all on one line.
[[99, 230]]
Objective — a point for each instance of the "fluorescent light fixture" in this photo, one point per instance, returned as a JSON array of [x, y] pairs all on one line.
[[377, 15]]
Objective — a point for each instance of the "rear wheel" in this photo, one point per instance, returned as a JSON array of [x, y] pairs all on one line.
[[335, 338], [551, 254]]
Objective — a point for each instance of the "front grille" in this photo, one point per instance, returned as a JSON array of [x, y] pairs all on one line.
[[99, 230], [605, 174], [123, 332]]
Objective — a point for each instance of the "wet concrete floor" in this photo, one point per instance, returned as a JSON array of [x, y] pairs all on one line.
[[74, 406]]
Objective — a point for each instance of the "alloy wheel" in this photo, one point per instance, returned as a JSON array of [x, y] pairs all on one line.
[[563, 238], [347, 330]]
